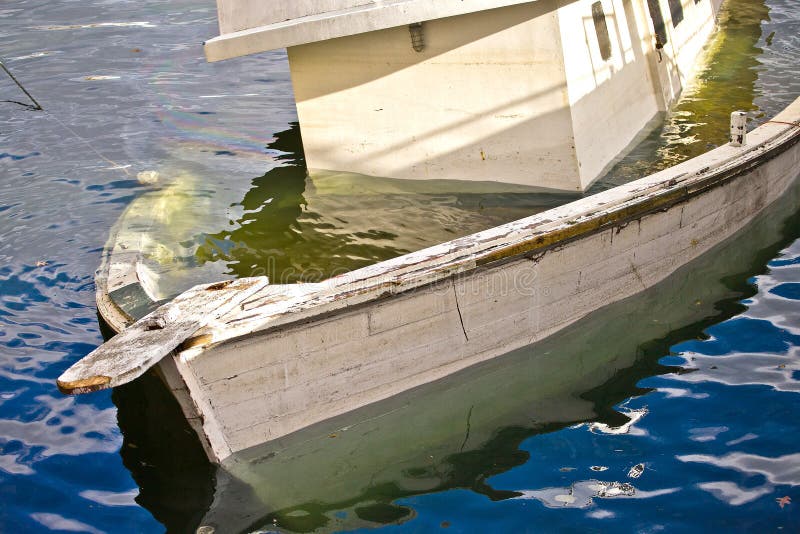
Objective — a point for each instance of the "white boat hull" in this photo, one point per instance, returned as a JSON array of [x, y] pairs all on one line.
[[270, 370], [543, 94], [253, 362]]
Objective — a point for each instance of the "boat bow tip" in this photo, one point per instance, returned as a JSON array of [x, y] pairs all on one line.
[[84, 385], [142, 345]]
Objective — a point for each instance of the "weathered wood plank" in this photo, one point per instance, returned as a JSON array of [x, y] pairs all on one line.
[[129, 354], [327, 370]]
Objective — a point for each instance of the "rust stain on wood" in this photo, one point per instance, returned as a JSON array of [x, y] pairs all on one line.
[[84, 385], [195, 341], [219, 285]]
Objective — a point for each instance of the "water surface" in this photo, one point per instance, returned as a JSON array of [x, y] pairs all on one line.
[[696, 382]]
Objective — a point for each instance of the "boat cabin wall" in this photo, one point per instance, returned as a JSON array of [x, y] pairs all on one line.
[[616, 77], [687, 27], [612, 91], [485, 100]]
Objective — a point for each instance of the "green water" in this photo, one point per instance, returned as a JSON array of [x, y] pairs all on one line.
[[725, 81], [295, 229]]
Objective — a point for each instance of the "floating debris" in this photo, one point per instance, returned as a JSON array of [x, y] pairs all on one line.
[[627, 428], [148, 177], [32, 56], [41, 263], [99, 77], [636, 471]]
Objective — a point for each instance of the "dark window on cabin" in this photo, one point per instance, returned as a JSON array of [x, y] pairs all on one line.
[[697, 1], [676, 10], [601, 29], [658, 21]]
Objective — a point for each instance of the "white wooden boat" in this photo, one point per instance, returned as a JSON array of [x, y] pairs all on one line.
[[544, 93], [251, 362], [431, 438], [448, 434]]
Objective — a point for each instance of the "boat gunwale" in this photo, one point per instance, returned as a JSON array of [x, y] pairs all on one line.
[[534, 254], [674, 186], [299, 304]]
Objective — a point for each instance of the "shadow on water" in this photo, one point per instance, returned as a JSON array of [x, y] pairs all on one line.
[[455, 433], [163, 455]]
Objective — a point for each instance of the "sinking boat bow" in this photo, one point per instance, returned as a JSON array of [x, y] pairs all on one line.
[[142, 345], [263, 361]]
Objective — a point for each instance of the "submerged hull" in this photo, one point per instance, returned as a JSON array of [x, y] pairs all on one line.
[[282, 358]]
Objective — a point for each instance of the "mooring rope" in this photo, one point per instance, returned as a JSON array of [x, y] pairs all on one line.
[[36, 105], [88, 144]]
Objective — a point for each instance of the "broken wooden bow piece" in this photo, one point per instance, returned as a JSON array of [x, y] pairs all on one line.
[[129, 354]]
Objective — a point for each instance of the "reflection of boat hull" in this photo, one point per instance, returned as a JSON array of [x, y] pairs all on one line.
[[291, 356]]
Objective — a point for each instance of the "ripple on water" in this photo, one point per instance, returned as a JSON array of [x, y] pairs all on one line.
[[712, 424]]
